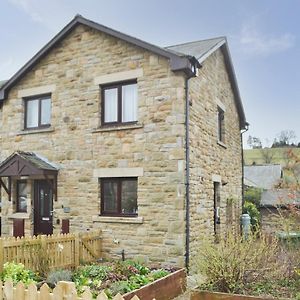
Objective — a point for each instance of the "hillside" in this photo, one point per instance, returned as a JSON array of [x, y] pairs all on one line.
[[278, 155]]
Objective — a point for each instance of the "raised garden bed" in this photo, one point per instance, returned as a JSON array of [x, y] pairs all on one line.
[[165, 288], [127, 278], [207, 295]]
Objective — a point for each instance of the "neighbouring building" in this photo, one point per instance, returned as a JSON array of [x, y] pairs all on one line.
[[103, 130], [278, 206]]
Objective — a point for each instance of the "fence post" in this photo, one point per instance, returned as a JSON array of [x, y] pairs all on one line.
[[1, 254], [68, 289], [76, 250]]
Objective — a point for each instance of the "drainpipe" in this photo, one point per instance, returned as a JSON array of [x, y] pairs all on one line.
[[243, 163], [194, 65], [187, 183]]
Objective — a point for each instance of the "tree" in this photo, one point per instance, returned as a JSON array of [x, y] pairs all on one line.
[[284, 138], [267, 155], [254, 142]]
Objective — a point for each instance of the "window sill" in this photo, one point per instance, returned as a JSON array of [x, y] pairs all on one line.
[[33, 131], [19, 215], [127, 220], [116, 128], [222, 144]]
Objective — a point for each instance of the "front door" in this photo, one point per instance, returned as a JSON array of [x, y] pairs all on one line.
[[43, 207]]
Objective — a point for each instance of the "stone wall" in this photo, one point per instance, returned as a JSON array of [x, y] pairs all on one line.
[[154, 147], [211, 160], [77, 144]]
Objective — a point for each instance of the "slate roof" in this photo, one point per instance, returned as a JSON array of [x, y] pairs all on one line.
[[37, 161], [203, 49], [279, 197], [182, 57], [33, 160], [2, 82], [198, 49], [262, 176]]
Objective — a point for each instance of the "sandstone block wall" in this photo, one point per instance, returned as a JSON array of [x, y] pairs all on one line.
[[155, 145], [77, 144], [209, 160]]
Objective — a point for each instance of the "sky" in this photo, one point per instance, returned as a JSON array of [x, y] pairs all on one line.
[[263, 36]]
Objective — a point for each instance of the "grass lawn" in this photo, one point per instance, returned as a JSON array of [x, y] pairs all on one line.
[[278, 155]]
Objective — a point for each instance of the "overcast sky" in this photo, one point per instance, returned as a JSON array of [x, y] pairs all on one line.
[[263, 38]]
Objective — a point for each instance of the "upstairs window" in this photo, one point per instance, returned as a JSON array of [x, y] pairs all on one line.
[[221, 126], [119, 103], [119, 196], [37, 112]]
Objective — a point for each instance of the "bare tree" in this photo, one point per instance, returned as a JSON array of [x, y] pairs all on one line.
[[267, 155], [286, 137]]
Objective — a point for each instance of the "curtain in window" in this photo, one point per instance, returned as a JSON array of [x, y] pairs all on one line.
[[46, 111], [110, 192], [32, 118], [111, 105], [129, 103]]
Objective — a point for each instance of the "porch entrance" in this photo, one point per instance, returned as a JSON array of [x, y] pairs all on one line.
[[30, 182], [43, 207]]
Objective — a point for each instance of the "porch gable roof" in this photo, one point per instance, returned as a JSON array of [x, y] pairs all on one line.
[[26, 164]]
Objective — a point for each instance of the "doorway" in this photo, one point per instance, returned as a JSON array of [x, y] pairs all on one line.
[[43, 207], [217, 201]]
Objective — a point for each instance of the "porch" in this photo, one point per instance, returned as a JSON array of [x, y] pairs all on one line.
[[28, 187]]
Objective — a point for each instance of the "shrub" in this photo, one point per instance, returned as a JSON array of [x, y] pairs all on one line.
[[234, 263], [17, 272], [59, 275], [254, 213], [253, 195]]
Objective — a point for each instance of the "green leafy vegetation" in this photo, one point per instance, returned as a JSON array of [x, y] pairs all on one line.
[[112, 278], [117, 277], [253, 195], [18, 272], [251, 209]]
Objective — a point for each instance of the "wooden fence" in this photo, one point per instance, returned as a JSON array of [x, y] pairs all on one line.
[[43, 252], [63, 290]]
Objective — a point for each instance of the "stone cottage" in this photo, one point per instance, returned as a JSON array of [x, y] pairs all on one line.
[[103, 130]]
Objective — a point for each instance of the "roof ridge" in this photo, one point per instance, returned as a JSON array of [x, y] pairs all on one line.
[[197, 41]]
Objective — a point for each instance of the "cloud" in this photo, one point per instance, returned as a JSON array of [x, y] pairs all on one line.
[[27, 7], [255, 42], [5, 67], [39, 12]]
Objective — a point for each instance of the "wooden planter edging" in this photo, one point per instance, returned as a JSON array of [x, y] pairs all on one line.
[[165, 288], [206, 295]]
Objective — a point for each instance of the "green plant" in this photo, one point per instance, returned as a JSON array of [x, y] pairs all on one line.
[[90, 276], [156, 274], [59, 275], [234, 263], [253, 195], [17, 272], [254, 213]]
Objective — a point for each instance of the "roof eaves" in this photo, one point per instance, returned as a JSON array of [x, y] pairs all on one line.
[[177, 62], [233, 79]]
